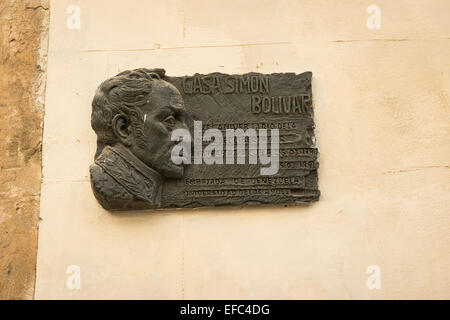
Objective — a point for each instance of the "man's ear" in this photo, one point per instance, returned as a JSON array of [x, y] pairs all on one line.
[[122, 128]]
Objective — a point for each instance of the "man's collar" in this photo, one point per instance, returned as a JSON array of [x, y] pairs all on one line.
[[131, 173], [134, 161]]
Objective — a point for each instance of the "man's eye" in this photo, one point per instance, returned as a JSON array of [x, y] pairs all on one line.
[[170, 120]]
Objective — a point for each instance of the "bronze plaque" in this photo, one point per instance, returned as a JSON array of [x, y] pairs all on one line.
[[203, 140]]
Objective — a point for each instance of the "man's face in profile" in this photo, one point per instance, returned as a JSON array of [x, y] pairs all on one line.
[[163, 113]]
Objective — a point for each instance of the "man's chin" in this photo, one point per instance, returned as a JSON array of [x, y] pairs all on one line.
[[174, 172]]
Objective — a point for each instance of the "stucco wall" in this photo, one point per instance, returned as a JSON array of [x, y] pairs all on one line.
[[23, 41], [381, 107]]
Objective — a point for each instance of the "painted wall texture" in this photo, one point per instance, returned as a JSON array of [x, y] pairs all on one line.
[[381, 99], [23, 41]]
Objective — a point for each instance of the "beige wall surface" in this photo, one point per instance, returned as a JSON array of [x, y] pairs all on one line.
[[381, 99]]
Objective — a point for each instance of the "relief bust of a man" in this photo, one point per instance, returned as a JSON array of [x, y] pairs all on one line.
[[133, 115]]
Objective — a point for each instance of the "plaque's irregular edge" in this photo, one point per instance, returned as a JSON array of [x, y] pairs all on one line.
[[133, 204]]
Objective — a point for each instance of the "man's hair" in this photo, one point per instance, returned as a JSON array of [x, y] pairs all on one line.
[[125, 93]]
